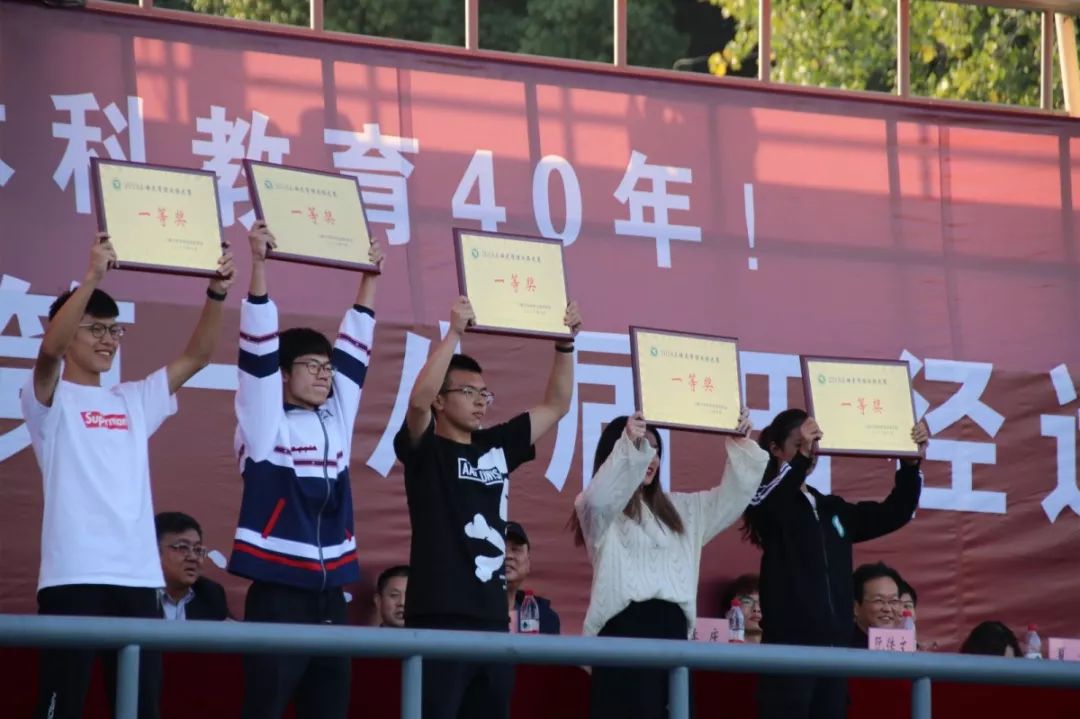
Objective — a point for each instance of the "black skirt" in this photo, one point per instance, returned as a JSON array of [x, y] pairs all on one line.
[[636, 693]]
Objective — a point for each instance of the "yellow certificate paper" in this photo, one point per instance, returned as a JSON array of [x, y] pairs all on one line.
[[864, 407], [316, 217], [517, 285], [686, 381], [159, 219]]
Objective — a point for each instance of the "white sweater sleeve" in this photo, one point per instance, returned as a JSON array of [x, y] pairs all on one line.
[[716, 509], [611, 488], [259, 396]]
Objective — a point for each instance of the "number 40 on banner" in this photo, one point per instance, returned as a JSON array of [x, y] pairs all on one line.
[[480, 174]]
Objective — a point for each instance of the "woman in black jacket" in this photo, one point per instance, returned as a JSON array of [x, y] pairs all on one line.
[[806, 540]]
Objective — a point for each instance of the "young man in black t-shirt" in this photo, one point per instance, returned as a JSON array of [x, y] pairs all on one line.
[[457, 483]]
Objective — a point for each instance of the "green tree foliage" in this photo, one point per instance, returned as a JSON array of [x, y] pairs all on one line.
[[577, 29], [958, 51]]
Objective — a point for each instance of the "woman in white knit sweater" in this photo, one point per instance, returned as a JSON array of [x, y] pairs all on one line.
[[645, 548]]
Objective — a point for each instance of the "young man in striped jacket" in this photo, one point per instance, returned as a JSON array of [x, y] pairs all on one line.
[[296, 405]]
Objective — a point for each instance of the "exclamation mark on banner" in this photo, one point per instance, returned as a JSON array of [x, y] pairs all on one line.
[[748, 205]]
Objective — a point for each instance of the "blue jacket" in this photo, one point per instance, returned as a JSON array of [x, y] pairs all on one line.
[[296, 515]]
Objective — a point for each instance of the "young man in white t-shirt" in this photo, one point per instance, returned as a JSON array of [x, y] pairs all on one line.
[[98, 543]]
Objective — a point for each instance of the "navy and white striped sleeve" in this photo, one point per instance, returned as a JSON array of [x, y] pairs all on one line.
[[352, 353], [259, 399]]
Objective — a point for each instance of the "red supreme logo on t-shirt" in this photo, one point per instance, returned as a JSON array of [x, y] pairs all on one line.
[[97, 420]]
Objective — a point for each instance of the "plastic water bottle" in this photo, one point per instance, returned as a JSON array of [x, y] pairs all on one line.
[[529, 614], [1032, 643], [907, 621], [736, 623]]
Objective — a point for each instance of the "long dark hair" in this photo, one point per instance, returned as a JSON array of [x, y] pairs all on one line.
[[991, 638], [651, 494], [776, 433]]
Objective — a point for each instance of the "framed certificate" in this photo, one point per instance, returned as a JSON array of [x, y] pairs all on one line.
[[517, 285], [864, 407], [316, 217], [159, 219], [686, 381]]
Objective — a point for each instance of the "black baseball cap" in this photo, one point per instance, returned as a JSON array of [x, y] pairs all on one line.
[[516, 532]]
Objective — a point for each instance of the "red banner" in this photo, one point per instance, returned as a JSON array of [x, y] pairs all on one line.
[[800, 222]]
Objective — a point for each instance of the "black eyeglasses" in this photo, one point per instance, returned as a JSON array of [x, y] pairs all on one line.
[[316, 368], [98, 330], [471, 393], [196, 550]]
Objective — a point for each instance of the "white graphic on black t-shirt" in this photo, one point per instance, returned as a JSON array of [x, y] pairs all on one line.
[[490, 470], [486, 566], [486, 475]]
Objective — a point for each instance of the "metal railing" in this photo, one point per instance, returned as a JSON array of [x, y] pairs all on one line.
[[1056, 22], [413, 646]]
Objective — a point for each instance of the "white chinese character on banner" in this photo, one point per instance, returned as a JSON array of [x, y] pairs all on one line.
[[80, 135], [779, 368], [1063, 429], [595, 415], [963, 455], [657, 199], [230, 143], [416, 353], [377, 162], [6, 170], [27, 310]]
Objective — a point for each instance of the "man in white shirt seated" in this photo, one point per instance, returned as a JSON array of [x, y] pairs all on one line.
[[187, 594]]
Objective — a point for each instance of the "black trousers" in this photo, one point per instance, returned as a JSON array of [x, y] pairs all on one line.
[[64, 674], [786, 697], [319, 686], [631, 693], [464, 690]]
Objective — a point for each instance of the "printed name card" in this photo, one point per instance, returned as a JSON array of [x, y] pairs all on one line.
[[1064, 649], [710, 629], [891, 640]]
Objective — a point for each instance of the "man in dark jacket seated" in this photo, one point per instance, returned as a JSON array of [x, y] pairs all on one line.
[[187, 594], [517, 571]]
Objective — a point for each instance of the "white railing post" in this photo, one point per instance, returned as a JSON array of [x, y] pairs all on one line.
[[472, 24], [618, 39], [903, 47], [764, 39]]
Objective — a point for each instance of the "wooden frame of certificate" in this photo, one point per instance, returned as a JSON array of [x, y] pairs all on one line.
[[498, 280], [865, 407], [159, 218], [674, 380], [312, 215]]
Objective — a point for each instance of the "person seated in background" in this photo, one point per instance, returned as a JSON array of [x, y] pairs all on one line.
[[745, 589], [909, 599], [390, 596], [518, 567], [187, 594], [877, 600], [993, 639]]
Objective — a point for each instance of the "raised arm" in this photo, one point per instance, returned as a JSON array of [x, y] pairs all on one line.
[[778, 496], [200, 348], [63, 326], [352, 347], [870, 520], [560, 386], [614, 482], [430, 380], [259, 395], [714, 510]]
